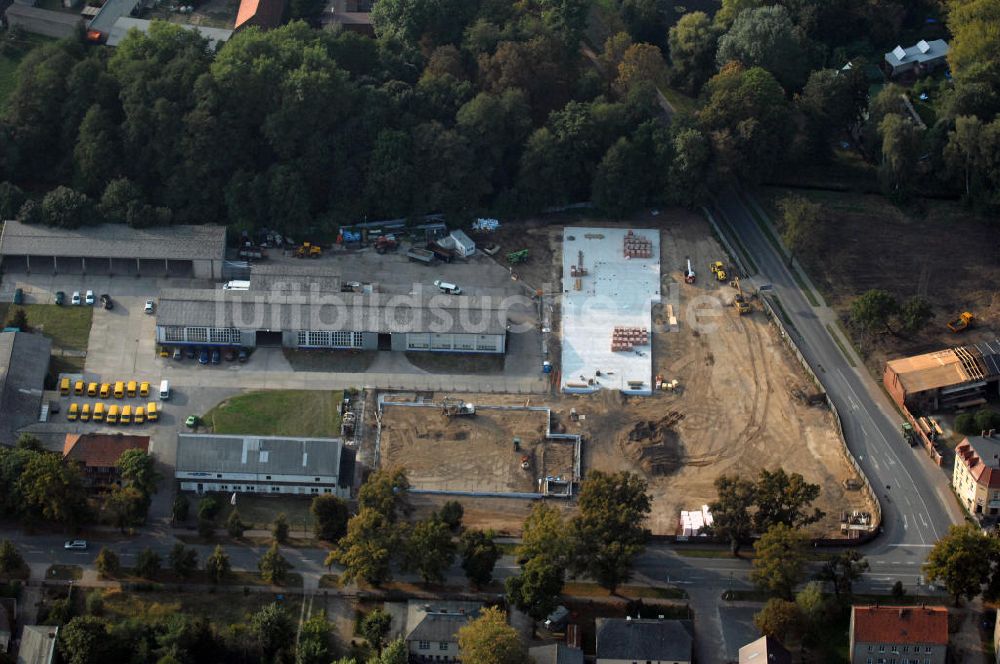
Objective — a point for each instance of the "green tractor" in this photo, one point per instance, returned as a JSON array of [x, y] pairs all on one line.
[[908, 434], [516, 257]]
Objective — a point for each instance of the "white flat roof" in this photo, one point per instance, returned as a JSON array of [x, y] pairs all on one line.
[[617, 291]]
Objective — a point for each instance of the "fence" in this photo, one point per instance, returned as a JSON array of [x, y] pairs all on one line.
[[790, 343], [924, 438]]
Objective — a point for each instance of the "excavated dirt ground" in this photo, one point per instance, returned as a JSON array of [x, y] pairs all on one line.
[[742, 405]]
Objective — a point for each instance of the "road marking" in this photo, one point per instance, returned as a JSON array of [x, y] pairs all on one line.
[[911, 546], [923, 520], [906, 525]]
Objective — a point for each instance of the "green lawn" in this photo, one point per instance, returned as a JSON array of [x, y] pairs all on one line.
[[68, 327], [223, 608], [278, 413], [261, 511]]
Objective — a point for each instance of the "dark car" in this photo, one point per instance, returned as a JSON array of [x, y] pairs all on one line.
[[203, 357], [18, 296], [243, 355], [230, 355], [60, 298], [216, 357], [106, 301], [192, 352]]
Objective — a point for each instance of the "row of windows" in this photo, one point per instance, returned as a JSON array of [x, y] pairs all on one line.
[[217, 335], [274, 489], [328, 339], [443, 342], [897, 648], [892, 660], [426, 645]]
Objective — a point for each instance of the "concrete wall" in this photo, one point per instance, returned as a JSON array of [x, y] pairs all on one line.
[[369, 341], [248, 338], [893, 386]]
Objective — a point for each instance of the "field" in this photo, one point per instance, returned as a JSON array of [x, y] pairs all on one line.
[[472, 453], [742, 402], [223, 609], [877, 245], [68, 327], [306, 413]]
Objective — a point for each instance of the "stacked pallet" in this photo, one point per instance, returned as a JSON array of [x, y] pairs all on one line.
[[637, 246], [625, 339], [578, 270]]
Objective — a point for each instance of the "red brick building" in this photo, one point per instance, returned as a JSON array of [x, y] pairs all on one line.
[[98, 454]]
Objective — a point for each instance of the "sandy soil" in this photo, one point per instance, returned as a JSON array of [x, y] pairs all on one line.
[[742, 403], [472, 453]]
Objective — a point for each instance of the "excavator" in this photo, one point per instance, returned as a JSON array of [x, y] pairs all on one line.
[[719, 270], [309, 249], [740, 301], [961, 324]]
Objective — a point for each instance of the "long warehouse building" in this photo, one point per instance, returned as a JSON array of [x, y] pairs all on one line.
[[363, 321], [955, 378]]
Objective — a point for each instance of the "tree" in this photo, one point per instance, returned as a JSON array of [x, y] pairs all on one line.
[[85, 640], [640, 62], [536, 589], [147, 563], [900, 151], [280, 529], [766, 37], [96, 154], [874, 310], [217, 565], [394, 653], [609, 530], [375, 627], [898, 591], [11, 560], [206, 528], [962, 561], [692, 42], [689, 171], [181, 508], [330, 516], [273, 630], [731, 511], [479, 556], [138, 470], [385, 492], [783, 499], [429, 550], [842, 570], [813, 606], [779, 560], [490, 640], [545, 533], [129, 507], [833, 100], [315, 644], [183, 561], [273, 566], [914, 314], [52, 490], [451, 513], [11, 199], [17, 317], [208, 507], [973, 44], [107, 563], [800, 225], [234, 524], [65, 208], [367, 549], [778, 619]]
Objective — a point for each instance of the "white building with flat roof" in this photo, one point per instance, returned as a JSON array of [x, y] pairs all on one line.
[[610, 282]]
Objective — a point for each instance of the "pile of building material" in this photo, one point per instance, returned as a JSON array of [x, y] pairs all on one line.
[[627, 338], [654, 444], [693, 523], [578, 270], [637, 246]]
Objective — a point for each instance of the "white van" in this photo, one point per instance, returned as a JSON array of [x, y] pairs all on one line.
[[448, 288], [164, 389]]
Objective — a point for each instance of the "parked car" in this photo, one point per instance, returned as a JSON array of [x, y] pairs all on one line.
[[203, 357], [178, 354], [446, 287], [60, 298], [89, 297], [216, 356], [191, 421], [76, 298], [192, 352], [73, 412], [75, 545], [18, 296], [243, 355], [149, 307], [230, 355], [106, 301]]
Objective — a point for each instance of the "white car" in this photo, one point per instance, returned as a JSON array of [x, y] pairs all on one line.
[[447, 287], [75, 545], [76, 297], [89, 298], [149, 307]]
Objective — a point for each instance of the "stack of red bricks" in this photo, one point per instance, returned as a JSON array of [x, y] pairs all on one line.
[[627, 338], [637, 246]]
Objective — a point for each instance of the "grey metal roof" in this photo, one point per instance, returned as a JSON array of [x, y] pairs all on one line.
[[24, 361], [114, 241], [990, 352], [124, 24], [618, 638], [922, 51], [430, 620], [293, 279], [261, 455], [556, 653], [364, 312], [38, 645]]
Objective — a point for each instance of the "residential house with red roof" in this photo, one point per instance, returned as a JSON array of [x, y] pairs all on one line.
[[899, 634], [976, 476], [98, 453]]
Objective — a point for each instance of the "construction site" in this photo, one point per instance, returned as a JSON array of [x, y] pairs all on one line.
[[725, 396]]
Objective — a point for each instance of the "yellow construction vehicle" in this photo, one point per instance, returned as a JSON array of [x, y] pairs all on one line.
[[961, 323], [740, 301], [719, 270], [307, 249]]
